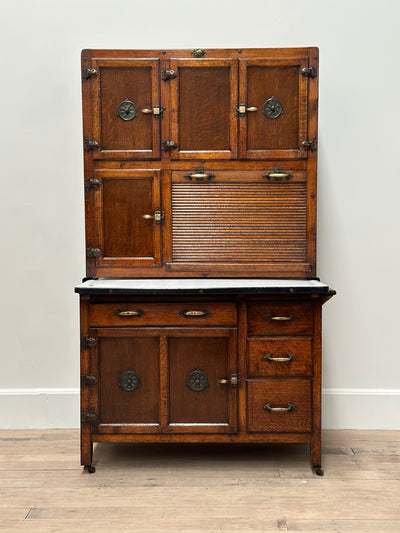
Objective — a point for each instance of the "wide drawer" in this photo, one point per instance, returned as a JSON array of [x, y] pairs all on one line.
[[280, 356], [280, 318], [278, 406], [163, 314]]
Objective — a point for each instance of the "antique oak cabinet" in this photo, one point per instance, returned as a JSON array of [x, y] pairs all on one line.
[[200, 311]]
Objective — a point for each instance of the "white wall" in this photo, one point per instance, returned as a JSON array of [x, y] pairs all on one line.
[[41, 215]]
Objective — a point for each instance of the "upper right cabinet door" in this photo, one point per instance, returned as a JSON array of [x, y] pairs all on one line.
[[273, 110]]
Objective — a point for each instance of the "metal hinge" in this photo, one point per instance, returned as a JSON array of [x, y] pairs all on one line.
[[310, 72], [88, 380], [88, 73], [90, 145], [88, 342], [93, 252], [168, 74], [89, 418], [309, 145], [92, 183], [167, 146]]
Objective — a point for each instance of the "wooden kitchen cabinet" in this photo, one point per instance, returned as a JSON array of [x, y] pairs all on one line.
[[200, 309]]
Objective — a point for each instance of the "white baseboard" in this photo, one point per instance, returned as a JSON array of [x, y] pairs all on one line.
[[59, 408]]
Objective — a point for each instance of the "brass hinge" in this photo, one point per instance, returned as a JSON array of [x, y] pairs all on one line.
[[90, 145], [168, 74], [167, 146], [89, 418], [88, 73], [92, 183], [309, 145], [310, 72], [93, 253], [88, 380], [88, 342]]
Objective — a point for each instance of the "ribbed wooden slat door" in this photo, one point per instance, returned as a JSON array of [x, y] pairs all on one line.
[[239, 217]]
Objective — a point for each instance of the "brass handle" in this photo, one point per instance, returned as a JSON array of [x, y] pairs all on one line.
[[137, 313], [271, 318], [199, 174], [277, 176], [289, 407], [147, 111], [270, 358], [158, 216], [252, 108], [186, 313], [148, 217]]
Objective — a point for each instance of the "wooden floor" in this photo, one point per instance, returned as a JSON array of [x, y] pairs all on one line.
[[208, 489]]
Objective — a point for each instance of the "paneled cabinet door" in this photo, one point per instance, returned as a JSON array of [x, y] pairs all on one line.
[[203, 99], [198, 360], [126, 366], [129, 219], [126, 97], [273, 97]]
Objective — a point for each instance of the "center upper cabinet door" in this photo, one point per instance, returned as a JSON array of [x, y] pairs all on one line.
[[203, 99], [273, 96], [126, 106]]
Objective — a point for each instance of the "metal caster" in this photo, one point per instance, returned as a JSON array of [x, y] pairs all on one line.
[[318, 470], [89, 468]]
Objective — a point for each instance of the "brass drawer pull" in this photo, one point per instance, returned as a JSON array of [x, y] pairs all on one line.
[[270, 358], [200, 175], [277, 175], [137, 313], [186, 313], [271, 318], [290, 407]]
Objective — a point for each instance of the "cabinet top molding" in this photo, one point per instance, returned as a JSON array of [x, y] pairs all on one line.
[[208, 53]]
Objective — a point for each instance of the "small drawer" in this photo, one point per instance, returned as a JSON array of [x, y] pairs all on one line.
[[163, 314], [279, 356], [279, 406], [280, 318]]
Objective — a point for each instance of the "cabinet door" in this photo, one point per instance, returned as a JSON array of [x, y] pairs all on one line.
[[127, 392], [203, 99], [274, 95], [124, 93], [198, 402], [123, 202]]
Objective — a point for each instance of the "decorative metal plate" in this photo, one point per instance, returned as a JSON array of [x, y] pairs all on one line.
[[272, 108], [197, 380], [127, 110], [129, 381]]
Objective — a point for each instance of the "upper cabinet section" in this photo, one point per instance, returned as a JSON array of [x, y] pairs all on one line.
[[187, 105], [126, 109]]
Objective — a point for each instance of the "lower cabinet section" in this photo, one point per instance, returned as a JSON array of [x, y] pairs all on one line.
[[237, 368]]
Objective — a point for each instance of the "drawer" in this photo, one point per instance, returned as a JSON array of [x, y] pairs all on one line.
[[280, 318], [280, 356], [163, 314], [266, 398]]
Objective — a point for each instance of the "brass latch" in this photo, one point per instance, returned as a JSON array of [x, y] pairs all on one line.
[[157, 111], [158, 216], [233, 381], [241, 110]]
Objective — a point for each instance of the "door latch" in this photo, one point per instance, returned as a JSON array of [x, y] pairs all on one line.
[[158, 216], [233, 381]]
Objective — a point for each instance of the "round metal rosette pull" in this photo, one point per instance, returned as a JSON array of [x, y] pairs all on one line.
[[197, 380], [127, 110], [129, 381], [272, 108]]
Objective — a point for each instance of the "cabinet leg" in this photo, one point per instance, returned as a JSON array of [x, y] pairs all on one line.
[[86, 450], [89, 468], [316, 458]]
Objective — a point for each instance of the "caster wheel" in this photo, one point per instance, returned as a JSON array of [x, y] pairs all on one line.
[[318, 470], [89, 468]]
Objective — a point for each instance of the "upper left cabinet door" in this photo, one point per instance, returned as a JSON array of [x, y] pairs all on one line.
[[125, 100]]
